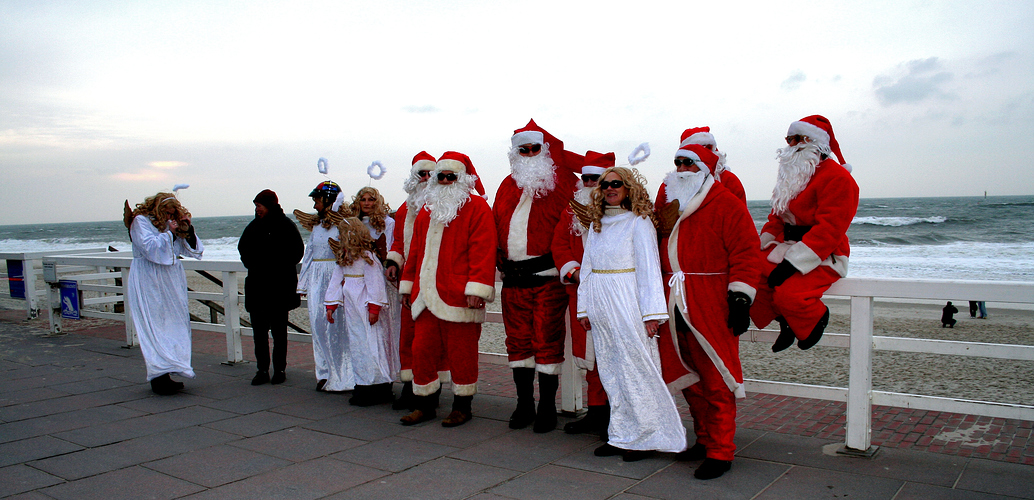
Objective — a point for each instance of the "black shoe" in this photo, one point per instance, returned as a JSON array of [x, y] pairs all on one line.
[[545, 416], [320, 384], [523, 416], [278, 378], [694, 453], [524, 382], [816, 333], [360, 396], [260, 378], [608, 451], [786, 336], [635, 455], [405, 399], [712, 468], [164, 386]]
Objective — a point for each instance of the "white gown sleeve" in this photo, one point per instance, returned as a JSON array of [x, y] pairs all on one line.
[[335, 290], [648, 272], [583, 291], [156, 246], [373, 276], [183, 247]]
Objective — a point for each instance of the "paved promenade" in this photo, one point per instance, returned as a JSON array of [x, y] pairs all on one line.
[[78, 421]]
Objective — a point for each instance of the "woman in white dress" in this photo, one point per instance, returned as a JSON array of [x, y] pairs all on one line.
[[621, 303], [358, 288], [369, 206], [156, 288]]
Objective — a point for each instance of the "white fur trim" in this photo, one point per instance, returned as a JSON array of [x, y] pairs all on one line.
[[527, 137], [426, 390], [406, 375], [517, 236], [550, 369], [739, 286], [451, 166], [701, 138], [814, 133], [465, 389], [591, 170], [407, 226], [566, 268], [482, 290], [405, 287], [685, 153], [585, 364], [422, 165], [428, 297], [767, 239], [848, 167], [396, 258], [684, 381], [802, 257], [523, 363], [445, 377]]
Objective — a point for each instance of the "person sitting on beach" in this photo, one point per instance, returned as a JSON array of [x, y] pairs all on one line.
[[358, 288], [805, 239], [947, 313], [156, 288]]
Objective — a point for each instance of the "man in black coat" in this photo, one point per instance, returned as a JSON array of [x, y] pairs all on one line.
[[271, 249]]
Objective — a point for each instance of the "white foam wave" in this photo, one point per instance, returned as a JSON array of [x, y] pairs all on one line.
[[898, 221]]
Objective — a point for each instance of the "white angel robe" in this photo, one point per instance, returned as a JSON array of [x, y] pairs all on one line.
[[329, 340], [351, 289], [620, 289], [156, 291], [393, 312]]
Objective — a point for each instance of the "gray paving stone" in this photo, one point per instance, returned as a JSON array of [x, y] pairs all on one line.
[[29, 396], [998, 478], [92, 385], [217, 465], [308, 480], [102, 434], [561, 482], [20, 478], [807, 482], [251, 401], [615, 466], [131, 484], [323, 406], [745, 479], [258, 423], [297, 444], [914, 491], [52, 424], [443, 478], [394, 454], [535, 449], [26, 450], [469, 434], [158, 404], [350, 425]]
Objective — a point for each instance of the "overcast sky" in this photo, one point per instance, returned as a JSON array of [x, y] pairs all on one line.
[[104, 101]]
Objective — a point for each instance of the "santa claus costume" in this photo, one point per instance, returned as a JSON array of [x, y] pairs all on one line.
[[405, 218], [447, 280], [568, 248], [714, 260], [527, 207], [703, 137], [805, 239]]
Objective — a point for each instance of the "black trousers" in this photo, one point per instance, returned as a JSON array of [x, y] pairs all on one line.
[[267, 323]]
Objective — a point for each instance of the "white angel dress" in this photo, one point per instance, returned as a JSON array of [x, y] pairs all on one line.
[[156, 292], [620, 289], [351, 289], [392, 313], [330, 349]]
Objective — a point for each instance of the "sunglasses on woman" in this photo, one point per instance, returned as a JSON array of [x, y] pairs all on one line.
[[616, 184], [684, 161], [443, 176], [535, 148]]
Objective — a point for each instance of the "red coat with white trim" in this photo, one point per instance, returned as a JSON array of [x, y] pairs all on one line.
[[447, 263], [733, 184], [828, 204], [568, 249], [403, 235], [540, 220]]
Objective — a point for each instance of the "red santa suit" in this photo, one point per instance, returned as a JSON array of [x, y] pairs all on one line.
[[447, 263], [823, 211]]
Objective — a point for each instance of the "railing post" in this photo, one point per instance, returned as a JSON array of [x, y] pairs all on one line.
[[232, 318], [859, 389], [570, 377], [126, 311], [32, 302]]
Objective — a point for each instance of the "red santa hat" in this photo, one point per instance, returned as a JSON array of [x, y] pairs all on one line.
[[698, 153], [596, 163], [422, 161], [532, 133], [698, 135], [460, 163], [818, 129]]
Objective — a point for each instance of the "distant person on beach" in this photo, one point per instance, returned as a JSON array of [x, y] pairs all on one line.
[[448, 278], [415, 186], [358, 288], [621, 301], [329, 340], [972, 309], [156, 288], [270, 248], [713, 262], [527, 207], [982, 309], [805, 239], [703, 137], [947, 316], [567, 249]]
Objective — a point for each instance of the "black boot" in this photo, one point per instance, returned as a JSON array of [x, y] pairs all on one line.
[[382, 394], [590, 423], [435, 398], [712, 468], [605, 423], [786, 336], [816, 333], [360, 396], [461, 412], [261, 377], [545, 417], [524, 415], [164, 385], [405, 400], [424, 411]]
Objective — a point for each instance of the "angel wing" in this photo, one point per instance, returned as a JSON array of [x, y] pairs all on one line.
[[308, 221], [581, 212], [335, 245], [666, 218], [127, 215]]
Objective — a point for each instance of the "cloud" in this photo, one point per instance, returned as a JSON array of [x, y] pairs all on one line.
[[794, 81], [167, 165], [427, 108], [922, 79]]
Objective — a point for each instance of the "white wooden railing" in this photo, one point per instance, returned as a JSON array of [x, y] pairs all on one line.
[[861, 341]]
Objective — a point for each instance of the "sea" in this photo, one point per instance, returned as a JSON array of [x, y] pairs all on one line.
[[966, 238]]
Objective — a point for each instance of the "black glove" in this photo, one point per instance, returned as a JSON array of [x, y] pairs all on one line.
[[781, 272], [739, 312]]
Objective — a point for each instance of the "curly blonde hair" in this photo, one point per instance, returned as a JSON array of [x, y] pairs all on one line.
[[356, 242], [154, 208], [637, 201], [380, 210]]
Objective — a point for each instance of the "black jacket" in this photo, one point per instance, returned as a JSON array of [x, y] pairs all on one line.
[[271, 248]]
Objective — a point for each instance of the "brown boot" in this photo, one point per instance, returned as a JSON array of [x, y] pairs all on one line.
[[461, 412], [422, 413]]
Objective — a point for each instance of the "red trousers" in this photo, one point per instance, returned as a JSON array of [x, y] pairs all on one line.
[[435, 339], [534, 322], [406, 348], [711, 403], [595, 395], [798, 299]]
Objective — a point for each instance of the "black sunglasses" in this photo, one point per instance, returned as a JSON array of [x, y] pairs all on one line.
[[442, 176], [535, 148], [590, 177], [790, 139], [616, 184], [684, 161], [423, 173]]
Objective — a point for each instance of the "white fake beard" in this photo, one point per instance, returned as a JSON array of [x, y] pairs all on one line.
[[683, 186], [417, 194], [536, 175], [584, 196], [720, 167], [796, 166], [445, 200]]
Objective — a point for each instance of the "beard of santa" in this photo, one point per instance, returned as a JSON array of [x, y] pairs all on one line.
[[417, 191], [445, 200], [796, 166], [536, 175], [582, 195], [683, 186], [720, 167]]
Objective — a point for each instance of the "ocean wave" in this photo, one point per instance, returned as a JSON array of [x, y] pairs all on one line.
[[898, 221]]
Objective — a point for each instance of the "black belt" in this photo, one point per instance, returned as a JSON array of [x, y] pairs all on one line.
[[523, 273], [794, 233]]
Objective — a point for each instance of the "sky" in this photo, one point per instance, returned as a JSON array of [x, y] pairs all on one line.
[[105, 101]]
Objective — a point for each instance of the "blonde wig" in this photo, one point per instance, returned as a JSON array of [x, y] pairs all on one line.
[[154, 208], [637, 201], [380, 210], [355, 242]]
